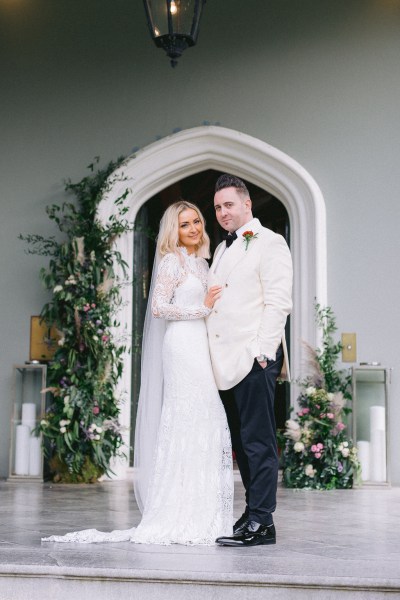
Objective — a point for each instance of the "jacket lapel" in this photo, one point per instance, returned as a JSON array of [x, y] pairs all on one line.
[[236, 253]]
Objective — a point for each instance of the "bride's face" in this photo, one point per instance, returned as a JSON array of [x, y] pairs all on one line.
[[190, 229]]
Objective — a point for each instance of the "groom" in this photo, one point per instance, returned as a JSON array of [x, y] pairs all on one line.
[[248, 350]]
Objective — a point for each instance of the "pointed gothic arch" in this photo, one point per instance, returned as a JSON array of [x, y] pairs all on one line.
[[171, 159]]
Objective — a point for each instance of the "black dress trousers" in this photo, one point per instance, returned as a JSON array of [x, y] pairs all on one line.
[[250, 411]]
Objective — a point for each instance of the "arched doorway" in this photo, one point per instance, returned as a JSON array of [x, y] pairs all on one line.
[[199, 189], [192, 151]]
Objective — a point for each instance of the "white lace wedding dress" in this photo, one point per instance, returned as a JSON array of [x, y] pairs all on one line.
[[190, 495]]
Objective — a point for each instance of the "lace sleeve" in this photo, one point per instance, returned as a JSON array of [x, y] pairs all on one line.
[[170, 275], [203, 273]]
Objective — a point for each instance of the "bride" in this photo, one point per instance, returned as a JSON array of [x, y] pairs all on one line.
[[183, 460]]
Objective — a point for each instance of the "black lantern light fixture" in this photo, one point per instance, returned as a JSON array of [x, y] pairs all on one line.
[[174, 24]]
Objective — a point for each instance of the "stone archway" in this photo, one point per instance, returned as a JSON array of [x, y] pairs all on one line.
[[190, 151]]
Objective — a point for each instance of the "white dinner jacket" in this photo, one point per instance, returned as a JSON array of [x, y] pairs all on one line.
[[249, 318]]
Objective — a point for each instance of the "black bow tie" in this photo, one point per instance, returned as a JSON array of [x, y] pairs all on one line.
[[230, 238]]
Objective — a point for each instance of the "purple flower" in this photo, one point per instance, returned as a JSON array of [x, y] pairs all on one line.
[[339, 467]]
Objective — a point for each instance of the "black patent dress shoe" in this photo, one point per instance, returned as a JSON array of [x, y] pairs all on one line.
[[252, 534], [240, 523]]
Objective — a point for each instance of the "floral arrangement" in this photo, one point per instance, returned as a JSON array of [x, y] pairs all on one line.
[[81, 427], [318, 454]]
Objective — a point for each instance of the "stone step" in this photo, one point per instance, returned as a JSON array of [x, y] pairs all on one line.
[[66, 583]]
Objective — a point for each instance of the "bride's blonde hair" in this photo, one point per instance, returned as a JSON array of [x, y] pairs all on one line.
[[168, 236]]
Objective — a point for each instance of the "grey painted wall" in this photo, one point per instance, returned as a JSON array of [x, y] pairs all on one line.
[[317, 79]]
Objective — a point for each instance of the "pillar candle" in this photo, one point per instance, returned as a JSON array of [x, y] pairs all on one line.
[[377, 418], [364, 450], [35, 456], [29, 414], [378, 443], [378, 455], [22, 433]]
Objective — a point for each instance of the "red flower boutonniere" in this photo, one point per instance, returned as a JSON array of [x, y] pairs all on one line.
[[248, 236]]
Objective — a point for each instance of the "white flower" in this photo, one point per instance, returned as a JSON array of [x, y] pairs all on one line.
[[64, 422], [309, 471], [96, 339], [330, 396], [63, 429], [66, 400], [44, 423], [58, 288], [96, 437], [94, 427], [298, 447], [345, 452], [310, 390], [71, 280], [61, 341]]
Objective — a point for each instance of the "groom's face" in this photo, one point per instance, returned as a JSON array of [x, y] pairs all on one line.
[[232, 210]]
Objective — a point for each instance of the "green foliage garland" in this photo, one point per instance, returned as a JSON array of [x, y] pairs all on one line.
[[318, 454], [81, 426]]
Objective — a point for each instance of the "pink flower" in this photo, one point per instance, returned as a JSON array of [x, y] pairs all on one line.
[[96, 410], [303, 411], [93, 305], [322, 416], [104, 338], [340, 426], [330, 415], [314, 448], [317, 406], [317, 455], [86, 307], [320, 446]]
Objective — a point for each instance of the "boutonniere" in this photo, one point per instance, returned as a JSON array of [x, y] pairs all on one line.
[[248, 236]]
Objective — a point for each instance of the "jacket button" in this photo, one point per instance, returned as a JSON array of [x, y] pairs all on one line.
[[216, 312], [226, 285], [216, 335]]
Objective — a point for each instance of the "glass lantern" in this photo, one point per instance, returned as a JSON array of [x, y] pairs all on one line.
[[370, 420], [29, 405]]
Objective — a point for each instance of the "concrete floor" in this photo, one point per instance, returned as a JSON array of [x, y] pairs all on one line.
[[337, 541]]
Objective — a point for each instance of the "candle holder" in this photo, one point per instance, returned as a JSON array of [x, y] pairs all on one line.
[[370, 421], [29, 404]]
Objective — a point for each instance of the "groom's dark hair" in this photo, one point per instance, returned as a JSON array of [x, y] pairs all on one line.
[[227, 181]]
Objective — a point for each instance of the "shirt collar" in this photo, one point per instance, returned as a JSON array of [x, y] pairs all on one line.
[[252, 224]]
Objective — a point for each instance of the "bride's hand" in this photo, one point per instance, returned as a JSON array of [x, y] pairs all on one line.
[[213, 294]]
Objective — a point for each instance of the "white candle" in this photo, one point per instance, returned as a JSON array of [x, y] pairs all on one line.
[[364, 449], [378, 455], [378, 443], [377, 418], [35, 456], [29, 414], [22, 434]]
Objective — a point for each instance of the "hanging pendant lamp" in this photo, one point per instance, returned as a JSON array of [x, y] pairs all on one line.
[[174, 24]]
